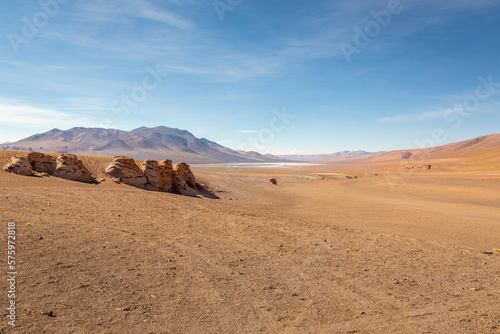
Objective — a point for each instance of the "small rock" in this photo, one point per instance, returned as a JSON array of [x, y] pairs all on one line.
[[273, 181], [49, 313]]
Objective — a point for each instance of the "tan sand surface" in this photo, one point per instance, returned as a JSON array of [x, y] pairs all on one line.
[[315, 254]]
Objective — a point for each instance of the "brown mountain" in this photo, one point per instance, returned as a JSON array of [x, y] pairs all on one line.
[[154, 143], [473, 156], [468, 148], [330, 157]]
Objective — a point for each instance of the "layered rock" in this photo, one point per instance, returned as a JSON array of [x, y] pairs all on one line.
[[184, 174], [153, 176], [42, 163], [151, 171], [69, 167], [125, 170], [184, 181], [166, 176], [19, 165]]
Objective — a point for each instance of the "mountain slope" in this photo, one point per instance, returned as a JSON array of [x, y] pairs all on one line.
[[475, 146], [326, 158], [154, 143]]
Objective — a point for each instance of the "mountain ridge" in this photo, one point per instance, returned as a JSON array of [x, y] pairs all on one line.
[[159, 142]]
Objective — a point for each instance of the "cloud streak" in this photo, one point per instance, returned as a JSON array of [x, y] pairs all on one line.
[[423, 116], [248, 131], [20, 114]]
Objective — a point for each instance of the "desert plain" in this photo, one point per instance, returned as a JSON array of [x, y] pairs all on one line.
[[395, 250]]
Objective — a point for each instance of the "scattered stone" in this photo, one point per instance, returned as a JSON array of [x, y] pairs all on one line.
[[273, 181], [102, 180], [42, 163], [418, 167], [49, 313], [69, 167], [44, 174], [125, 170], [151, 171], [19, 165]]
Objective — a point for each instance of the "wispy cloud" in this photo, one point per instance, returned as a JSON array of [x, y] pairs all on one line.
[[120, 10], [148, 12], [423, 116], [21, 114], [248, 131]]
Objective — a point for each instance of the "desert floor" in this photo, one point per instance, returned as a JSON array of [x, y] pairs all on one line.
[[315, 254]]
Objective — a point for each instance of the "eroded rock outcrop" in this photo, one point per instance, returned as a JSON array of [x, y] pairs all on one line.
[[153, 176], [19, 165], [184, 174], [166, 176], [125, 170], [184, 181], [42, 163], [151, 171], [69, 167]]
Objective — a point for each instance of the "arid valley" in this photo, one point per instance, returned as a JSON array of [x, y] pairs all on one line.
[[393, 250]]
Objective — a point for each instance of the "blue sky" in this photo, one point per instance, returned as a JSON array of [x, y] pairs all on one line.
[[372, 75]]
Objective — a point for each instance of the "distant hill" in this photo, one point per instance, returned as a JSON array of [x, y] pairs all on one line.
[[331, 157], [467, 148], [142, 143]]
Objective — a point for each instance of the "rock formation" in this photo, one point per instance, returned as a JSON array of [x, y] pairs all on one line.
[[418, 167], [42, 163], [151, 175], [125, 170], [151, 171], [19, 165], [184, 181], [166, 176], [69, 167], [184, 174]]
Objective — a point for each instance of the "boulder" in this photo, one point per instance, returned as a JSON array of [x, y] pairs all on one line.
[[19, 165], [42, 163], [151, 171], [69, 167], [166, 176], [184, 175], [125, 170]]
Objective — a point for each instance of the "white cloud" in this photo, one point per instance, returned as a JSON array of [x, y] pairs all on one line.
[[21, 114], [423, 116], [248, 131], [150, 13]]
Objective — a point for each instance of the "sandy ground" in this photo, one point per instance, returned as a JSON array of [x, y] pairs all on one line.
[[315, 254]]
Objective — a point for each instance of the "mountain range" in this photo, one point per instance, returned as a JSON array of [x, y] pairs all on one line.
[[330, 157], [180, 145], [142, 143]]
